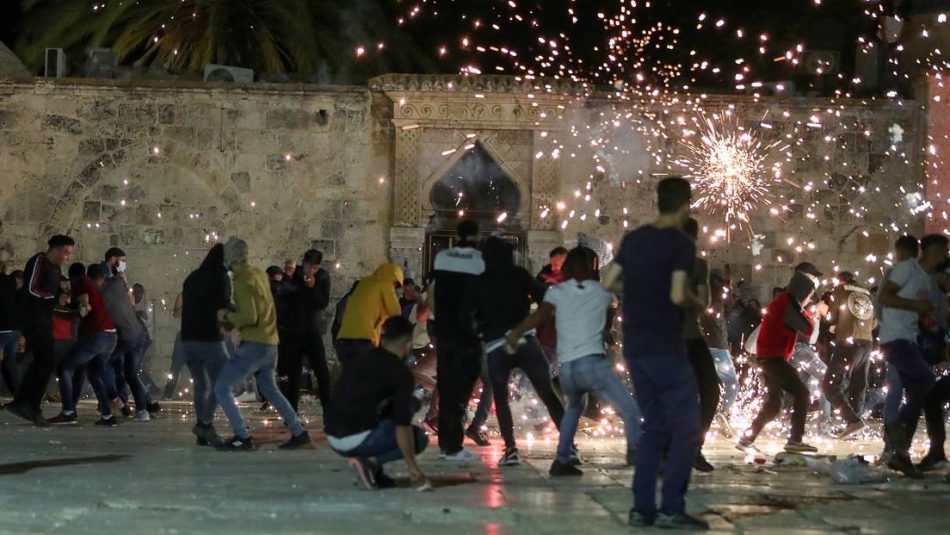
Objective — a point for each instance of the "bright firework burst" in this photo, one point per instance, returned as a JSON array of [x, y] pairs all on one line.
[[729, 170]]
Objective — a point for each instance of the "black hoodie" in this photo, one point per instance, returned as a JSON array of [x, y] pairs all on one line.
[[299, 308], [205, 291], [502, 295]]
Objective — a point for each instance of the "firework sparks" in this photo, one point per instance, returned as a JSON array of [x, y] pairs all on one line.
[[729, 170]]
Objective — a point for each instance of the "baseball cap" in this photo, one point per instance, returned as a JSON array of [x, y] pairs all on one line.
[[808, 268]]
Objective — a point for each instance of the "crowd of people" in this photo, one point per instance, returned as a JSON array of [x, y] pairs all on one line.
[[477, 318]]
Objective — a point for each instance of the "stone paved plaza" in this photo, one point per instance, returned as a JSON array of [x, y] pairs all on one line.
[[151, 478]]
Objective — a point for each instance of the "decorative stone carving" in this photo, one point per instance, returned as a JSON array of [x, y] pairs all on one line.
[[406, 186], [488, 83], [544, 184]]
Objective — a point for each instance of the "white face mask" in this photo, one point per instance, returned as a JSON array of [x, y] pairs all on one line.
[[120, 267]]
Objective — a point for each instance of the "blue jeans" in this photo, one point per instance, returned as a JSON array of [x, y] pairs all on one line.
[[594, 374], [9, 369], [121, 376], [205, 361], [726, 370], [916, 377], [261, 361], [667, 393], [381, 444], [93, 351], [812, 370]]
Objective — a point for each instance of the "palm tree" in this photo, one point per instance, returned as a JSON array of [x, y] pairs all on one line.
[[266, 35]]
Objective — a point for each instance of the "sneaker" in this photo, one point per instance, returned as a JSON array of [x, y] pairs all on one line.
[[700, 463], [800, 447], [153, 408], [903, 464], [748, 448], [631, 457], [680, 521], [640, 520], [141, 416], [246, 397], [477, 437], [574, 458], [169, 392], [932, 461], [462, 455], [559, 469], [64, 419], [724, 426], [510, 458], [264, 407], [127, 411], [296, 442], [107, 422], [851, 428], [238, 444], [364, 472]]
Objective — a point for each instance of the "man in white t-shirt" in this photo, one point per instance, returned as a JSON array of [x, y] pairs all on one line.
[[579, 306], [905, 302]]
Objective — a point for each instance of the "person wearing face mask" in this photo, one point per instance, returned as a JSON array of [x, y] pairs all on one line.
[[785, 319]]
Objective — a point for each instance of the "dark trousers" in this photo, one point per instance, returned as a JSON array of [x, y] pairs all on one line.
[[850, 362], [381, 444], [780, 376], [933, 413], [531, 359], [32, 388], [293, 347], [347, 350], [457, 368], [916, 376], [707, 380], [10, 368], [666, 392], [123, 369]]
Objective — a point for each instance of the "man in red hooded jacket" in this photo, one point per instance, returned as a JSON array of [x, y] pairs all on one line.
[[784, 320]]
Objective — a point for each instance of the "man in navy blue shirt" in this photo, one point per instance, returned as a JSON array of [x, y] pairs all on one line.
[[653, 266]]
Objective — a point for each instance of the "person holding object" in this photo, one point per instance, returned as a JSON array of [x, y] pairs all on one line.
[[371, 410]]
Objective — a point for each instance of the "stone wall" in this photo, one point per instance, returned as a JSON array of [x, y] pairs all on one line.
[[163, 171]]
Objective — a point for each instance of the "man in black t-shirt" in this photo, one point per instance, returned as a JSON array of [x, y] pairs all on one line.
[[458, 348], [36, 300], [370, 411], [653, 265]]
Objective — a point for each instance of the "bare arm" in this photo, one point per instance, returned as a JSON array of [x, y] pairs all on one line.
[[176, 311], [406, 440], [889, 298], [613, 279], [542, 315]]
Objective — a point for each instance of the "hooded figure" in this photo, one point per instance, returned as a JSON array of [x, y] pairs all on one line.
[[786, 318], [373, 301], [205, 291]]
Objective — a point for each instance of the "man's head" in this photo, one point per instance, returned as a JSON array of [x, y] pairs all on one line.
[[115, 259], [845, 277], [275, 274], [906, 247], [409, 288], [933, 250], [97, 272], [18, 278], [467, 232], [289, 268], [580, 264], [809, 270], [76, 270], [138, 292], [557, 256], [312, 260], [673, 197], [62, 298], [60, 249], [691, 228], [396, 336], [235, 252]]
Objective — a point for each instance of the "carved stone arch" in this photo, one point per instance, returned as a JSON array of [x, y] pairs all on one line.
[[486, 143]]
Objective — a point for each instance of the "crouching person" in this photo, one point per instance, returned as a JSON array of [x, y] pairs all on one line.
[[371, 411]]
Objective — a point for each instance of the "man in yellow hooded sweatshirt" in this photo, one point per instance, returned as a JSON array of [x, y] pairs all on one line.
[[372, 303], [256, 318]]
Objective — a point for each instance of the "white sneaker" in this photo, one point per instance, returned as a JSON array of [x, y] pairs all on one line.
[[141, 416], [463, 455]]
